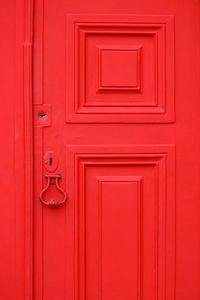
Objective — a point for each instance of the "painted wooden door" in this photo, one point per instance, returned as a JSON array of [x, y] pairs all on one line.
[[116, 114]]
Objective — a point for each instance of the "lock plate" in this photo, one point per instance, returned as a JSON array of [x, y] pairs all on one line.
[[50, 161]]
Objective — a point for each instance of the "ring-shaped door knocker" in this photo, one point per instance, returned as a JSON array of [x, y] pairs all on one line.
[[53, 179]]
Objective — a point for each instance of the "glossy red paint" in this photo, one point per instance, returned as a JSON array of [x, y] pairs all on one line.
[[120, 119], [100, 107]]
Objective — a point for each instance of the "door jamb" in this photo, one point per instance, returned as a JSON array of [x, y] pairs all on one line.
[[24, 149]]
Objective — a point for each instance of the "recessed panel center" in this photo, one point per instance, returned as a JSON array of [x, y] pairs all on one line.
[[119, 68]]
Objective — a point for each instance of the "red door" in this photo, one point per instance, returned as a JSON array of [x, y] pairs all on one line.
[[116, 112]]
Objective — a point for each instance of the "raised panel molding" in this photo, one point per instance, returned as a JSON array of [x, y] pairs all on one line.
[[120, 69], [135, 185]]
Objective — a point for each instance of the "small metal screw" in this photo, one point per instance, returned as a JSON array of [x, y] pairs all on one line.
[[42, 115]]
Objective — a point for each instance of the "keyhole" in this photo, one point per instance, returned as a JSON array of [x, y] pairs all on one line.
[[50, 161]]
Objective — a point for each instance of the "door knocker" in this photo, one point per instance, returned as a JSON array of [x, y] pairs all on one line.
[[53, 179]]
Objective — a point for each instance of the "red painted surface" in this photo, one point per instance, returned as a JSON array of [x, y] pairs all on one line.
[[16, 150], [121, 80], [114, 107]]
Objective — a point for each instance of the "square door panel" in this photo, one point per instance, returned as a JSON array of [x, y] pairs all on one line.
[[125, 65], [120, 69], [124, 221]]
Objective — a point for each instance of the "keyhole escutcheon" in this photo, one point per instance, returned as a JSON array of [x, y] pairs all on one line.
[[50, 161]]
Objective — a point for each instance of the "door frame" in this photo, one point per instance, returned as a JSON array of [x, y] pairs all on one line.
[[24, 149]]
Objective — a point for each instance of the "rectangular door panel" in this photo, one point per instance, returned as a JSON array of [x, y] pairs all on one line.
[[124, 221]]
